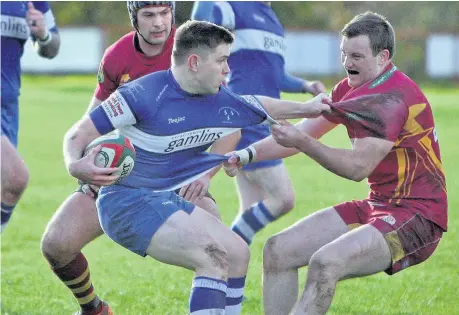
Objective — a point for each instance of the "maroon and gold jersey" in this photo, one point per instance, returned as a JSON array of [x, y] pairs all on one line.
[[392, 107], [122, 63]]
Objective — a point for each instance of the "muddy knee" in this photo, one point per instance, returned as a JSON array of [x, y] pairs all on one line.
[[272, 254]]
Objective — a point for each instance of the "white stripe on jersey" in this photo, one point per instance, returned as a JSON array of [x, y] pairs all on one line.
[[118, 111], [252, 39], [17, 27], [13, 26], [49, 19], [228, 18], [174, 143]]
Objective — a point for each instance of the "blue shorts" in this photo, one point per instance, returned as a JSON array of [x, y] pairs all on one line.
[[131, 216], [10, 119], [251, 135]]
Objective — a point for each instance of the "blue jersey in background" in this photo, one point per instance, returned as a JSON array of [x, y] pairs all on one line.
[[15, 32], [257, 57]]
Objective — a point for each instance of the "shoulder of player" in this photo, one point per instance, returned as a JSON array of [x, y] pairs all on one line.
[[120, 46]]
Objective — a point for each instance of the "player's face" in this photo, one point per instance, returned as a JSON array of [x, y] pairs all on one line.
[[212, 71], [358, 60], [155, 23]]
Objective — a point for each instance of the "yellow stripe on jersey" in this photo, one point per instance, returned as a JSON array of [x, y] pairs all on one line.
[[401, 161]]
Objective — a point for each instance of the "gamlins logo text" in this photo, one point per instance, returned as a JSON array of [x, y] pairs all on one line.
[[16, 27], [192, 139]]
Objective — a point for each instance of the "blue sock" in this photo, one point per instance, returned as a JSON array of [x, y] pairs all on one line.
[[234, 296], [252, 221], [208, 296], [6, 214]]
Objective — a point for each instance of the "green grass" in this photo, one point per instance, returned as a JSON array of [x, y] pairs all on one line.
[[135, 286]]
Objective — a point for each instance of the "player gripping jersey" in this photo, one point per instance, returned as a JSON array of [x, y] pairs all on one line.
[[394, 145]]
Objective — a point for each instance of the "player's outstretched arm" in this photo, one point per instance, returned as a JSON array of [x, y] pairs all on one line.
[[83, 168], [284, 109], [356, 164], [269, 149]]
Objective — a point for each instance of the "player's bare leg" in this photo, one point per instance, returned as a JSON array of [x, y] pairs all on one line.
[[291, 249], [200, 242], [14, 179], [360, 252], [209, 205], [74, 225], [265, 194]]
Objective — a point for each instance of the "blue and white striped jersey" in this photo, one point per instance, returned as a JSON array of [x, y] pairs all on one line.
[[171, 129], [14, 32]]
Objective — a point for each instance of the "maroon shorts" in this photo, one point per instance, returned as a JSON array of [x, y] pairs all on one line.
[[411, 238]]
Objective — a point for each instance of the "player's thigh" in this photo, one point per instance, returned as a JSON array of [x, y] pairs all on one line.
[[186, 240], [273, 181], [208, 204], [74, 224], [360, 252], [294, 246], [12, 165]]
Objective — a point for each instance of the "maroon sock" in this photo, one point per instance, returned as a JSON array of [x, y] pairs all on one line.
[[77, 278]]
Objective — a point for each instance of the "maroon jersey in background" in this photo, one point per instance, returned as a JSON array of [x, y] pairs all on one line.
[[122, 63], [392, 107]]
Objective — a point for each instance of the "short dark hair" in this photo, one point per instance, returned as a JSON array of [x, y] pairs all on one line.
[[194, 35], [377, 27]]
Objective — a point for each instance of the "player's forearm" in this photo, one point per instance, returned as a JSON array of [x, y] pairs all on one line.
[[77, 139], [93, 104], [51, 49], [269, 149], [284, 109], [342, 162]]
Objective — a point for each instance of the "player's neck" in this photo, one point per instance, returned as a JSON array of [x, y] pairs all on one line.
[[148, 49], [186, 82]]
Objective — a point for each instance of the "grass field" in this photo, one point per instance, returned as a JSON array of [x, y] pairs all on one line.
[[135, 286]]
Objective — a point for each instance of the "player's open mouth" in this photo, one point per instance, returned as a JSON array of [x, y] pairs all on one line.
[[157, 34], [352, 72]]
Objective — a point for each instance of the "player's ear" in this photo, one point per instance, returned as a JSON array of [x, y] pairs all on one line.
[[193, 62], [384, 56]]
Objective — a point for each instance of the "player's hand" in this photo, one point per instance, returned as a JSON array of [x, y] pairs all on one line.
[[195, 190], [36, 21], [286, 134], [317, 106], [232, 165], [85, 170], [315, 87]]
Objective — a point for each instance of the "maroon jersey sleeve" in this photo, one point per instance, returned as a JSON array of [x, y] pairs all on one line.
[[381, 115], [106, 77]]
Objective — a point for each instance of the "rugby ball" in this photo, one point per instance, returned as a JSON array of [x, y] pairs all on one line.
[[116, 151]]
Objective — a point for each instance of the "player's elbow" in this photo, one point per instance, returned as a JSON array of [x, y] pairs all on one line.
[[359, 172]]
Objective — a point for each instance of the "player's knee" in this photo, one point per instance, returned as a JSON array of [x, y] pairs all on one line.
[[55, 250], [239, 256], [324, 265], [16, 183], [272, 255]]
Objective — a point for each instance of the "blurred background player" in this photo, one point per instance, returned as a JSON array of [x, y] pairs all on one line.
[[75, 223], [394, 145], [257, 67], [20, 20]]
